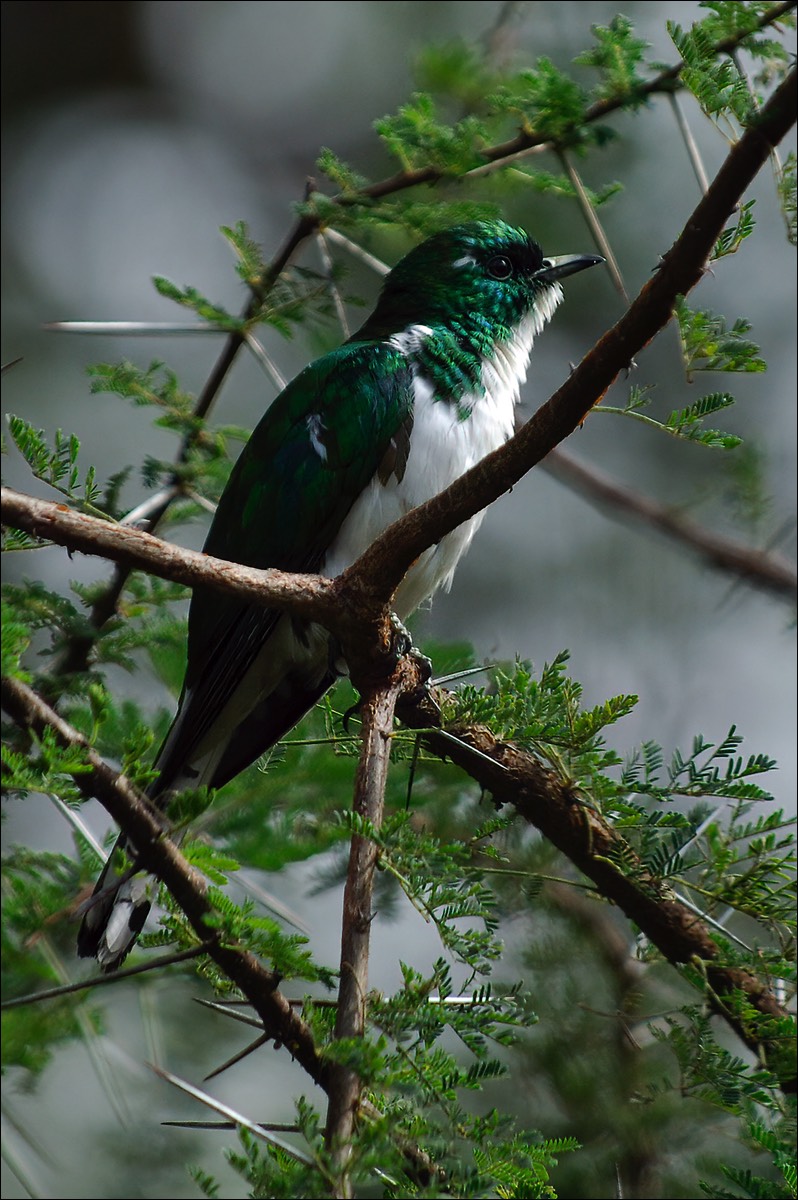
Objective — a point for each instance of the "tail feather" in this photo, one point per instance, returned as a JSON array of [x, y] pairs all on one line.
[[116, 912], [297, 672], [122, 900]]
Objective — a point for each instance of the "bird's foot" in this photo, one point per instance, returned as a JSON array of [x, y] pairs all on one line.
[[403, 645], [401, 638]]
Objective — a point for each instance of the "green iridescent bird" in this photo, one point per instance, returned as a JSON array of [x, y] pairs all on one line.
[[424, 390]]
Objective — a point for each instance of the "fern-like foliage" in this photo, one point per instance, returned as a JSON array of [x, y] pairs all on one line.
[[708, 344], [618, 54], [686, 423], [732, 238], [57, 464]]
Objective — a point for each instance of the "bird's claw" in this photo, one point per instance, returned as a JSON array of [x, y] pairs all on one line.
[[401, 641], [423, 663], [403, 646]]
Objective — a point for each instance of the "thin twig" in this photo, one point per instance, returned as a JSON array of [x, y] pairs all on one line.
[[376, 264], [145, 511], [268, 364], [693, 153], [329, 267], [133, 328], [83, 985], [238, 1057], [259, 1131], [594, 224]]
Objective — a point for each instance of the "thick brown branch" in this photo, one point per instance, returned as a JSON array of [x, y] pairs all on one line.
[[131, 810], [306, 595], [604, 856], [679, 271], [763, 569], [376, 714]]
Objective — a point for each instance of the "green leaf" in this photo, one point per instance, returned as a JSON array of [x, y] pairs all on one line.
[[251, 266], [548, 103], [686, 423], [715, 82], [416, 137], [617, 54], [57, 465], [709, 345], [732, 238], [190, 297]]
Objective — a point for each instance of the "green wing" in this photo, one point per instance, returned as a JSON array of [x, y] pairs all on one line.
[[315, 450]]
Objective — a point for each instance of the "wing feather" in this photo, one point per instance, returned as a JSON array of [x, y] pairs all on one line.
[[315, 450]]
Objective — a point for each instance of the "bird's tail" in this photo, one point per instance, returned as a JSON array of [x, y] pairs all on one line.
[[117, 910], [123, 895]]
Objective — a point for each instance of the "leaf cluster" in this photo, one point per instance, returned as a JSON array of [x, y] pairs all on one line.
[[708, 344], [57, 465]]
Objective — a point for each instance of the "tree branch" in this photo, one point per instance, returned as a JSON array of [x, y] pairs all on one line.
[[376, 715], [134, 814], [760, 568], [544, 800], [306, 595]]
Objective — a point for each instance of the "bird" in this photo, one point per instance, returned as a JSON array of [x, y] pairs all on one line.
[[419, 394]]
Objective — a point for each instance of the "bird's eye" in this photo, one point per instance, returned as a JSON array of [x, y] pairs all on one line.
[[500, 267]]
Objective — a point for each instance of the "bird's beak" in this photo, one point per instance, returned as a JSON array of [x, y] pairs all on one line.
[[566, 264]]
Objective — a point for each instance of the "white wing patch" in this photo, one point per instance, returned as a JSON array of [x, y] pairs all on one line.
[[315, 430]]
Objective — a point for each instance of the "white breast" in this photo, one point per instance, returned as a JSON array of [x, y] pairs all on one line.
[[442, 447]]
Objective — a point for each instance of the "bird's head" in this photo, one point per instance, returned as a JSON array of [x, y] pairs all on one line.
[[483, 272]]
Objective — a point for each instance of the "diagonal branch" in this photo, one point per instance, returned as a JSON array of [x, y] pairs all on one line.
[[512, 775], [761, 568], [133, 813], [307, 595]]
